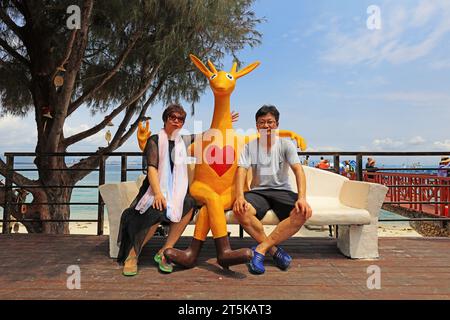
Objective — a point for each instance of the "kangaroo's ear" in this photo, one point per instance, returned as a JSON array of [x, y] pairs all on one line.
[[212, 67], [245, 70], [200, 66]]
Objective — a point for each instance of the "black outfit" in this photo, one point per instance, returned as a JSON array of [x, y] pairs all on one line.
[[371, 168], [280, 201], [134, 226]]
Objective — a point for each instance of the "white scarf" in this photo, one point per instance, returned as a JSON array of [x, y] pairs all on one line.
[[173, 186]]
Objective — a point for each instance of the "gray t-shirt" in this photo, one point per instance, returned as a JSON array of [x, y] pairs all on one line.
[[270, 170]]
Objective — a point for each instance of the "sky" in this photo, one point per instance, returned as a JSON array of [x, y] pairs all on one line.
[[337, 81]]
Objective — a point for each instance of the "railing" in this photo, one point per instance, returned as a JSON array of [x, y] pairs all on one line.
[[417, 192], [9, 186], [421, 192]]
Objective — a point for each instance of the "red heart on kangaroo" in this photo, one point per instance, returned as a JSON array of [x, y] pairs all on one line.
[[220, 159]]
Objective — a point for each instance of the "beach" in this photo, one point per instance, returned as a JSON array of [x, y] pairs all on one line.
[[391, 229]]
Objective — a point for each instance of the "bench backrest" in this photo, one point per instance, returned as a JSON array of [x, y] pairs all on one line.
[[319, 183]]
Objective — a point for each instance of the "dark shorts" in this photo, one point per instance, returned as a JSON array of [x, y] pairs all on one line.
[[280, 201]]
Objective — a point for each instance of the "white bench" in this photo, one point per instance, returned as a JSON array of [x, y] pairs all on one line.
[[334, 199]]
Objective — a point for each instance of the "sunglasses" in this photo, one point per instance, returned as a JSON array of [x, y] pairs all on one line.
[[270, 123], [174, 118]]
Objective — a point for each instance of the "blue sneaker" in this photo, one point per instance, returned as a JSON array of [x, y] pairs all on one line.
[[282, 259], [256, 265]]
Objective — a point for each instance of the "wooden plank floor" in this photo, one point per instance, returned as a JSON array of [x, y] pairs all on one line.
[[34, 267]]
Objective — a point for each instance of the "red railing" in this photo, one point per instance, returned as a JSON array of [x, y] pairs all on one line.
[[423, 192]]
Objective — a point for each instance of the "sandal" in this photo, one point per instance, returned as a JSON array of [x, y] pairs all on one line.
[[256, 265], [130, 270], [282, 259], [162, 264]]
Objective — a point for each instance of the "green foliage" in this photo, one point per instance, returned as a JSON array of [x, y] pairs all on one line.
[[169, 31]]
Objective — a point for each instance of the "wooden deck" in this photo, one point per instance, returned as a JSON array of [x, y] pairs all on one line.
[[34, 267]]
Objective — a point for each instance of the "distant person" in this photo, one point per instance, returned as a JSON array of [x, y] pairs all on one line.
[[324, 164], [371, 167], [306, 161], [347, 166], [317, 165], [444, 167]]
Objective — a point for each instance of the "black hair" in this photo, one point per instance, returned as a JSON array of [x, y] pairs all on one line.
[[266, 109], [172, 108]]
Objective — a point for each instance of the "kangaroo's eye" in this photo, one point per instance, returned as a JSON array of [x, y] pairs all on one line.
[[229, 76], [213, 76]]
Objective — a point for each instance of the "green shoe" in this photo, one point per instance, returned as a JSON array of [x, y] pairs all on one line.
[[130, 270], [162, 265]]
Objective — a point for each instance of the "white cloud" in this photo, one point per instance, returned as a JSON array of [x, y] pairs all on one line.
[[404, 35], [388, 144], [423, 13], [323, 148], [424, 98], [442, 145], [95, 140], [417, 140], [18, 134]]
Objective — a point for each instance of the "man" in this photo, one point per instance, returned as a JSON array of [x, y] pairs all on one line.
[[270, 158], [371, 167]]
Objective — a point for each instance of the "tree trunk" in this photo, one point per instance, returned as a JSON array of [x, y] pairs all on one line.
[[53, 173]]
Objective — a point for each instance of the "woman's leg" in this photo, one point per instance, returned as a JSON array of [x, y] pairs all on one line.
[[175, 231], [131, 260]]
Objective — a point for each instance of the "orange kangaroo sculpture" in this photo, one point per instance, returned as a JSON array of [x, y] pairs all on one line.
[[216, 164]]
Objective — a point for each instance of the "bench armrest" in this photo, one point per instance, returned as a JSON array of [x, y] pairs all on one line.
[[363, 195]]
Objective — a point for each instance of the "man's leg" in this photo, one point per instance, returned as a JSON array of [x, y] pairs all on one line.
[[283, 231], [250, 222]]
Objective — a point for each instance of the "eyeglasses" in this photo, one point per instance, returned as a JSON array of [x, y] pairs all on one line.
[[175, 118], [270, 123]]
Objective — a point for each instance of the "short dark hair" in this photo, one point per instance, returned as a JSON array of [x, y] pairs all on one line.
[[172, 108], [266, 109]]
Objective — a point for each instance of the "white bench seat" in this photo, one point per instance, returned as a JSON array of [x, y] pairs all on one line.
[[334, 199]]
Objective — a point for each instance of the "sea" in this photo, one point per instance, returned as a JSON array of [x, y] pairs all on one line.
[[112, 175]]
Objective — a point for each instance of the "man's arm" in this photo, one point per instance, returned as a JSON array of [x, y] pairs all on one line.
[[240, 205], [301, 205]]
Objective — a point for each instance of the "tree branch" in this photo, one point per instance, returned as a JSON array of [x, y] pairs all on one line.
[[10, 23], [74, 64], [142, 113], [68, 52], [17, 178], [83, 135], [74, 105], [14, 53], [93, 161]]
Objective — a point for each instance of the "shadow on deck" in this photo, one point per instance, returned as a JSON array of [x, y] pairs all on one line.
[[34, 267]]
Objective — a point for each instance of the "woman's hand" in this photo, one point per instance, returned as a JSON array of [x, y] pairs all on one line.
[[159, 202]]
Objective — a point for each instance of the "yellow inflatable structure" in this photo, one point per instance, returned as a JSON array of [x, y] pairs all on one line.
[[216, 156]]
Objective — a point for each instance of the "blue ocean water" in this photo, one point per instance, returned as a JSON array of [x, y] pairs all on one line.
[[112, 175]]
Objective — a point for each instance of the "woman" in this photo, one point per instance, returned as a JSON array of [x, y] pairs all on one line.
[[163, 196]]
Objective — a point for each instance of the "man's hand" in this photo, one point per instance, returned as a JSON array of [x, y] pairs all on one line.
[[240, 206], [159, 202], [302, 207]]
